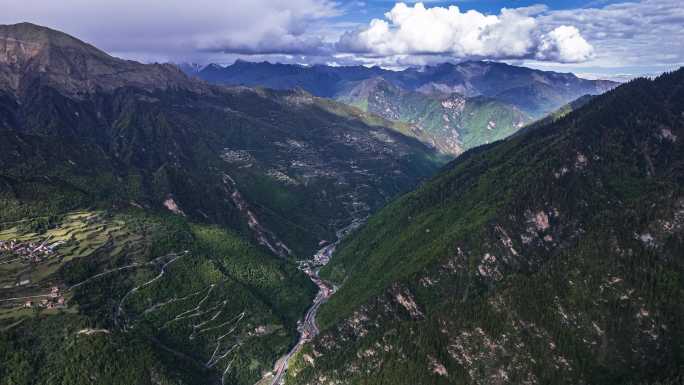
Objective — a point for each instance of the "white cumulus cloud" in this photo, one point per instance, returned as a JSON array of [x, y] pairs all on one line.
[[632, 36], [564, 44], [512, 34]]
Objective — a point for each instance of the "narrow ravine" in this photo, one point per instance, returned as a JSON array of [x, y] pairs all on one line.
[[307, 327]]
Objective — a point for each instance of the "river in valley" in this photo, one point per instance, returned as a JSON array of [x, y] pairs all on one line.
[[307, 327]]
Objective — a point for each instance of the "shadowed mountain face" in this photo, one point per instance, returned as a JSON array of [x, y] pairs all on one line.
[[158, 135], [555, 256], [29, 54], [319, 80], [159, 216], [452, 107]]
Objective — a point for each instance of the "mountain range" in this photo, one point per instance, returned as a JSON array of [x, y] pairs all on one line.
[[158, 228], [161, 129], [448, 122], [499, 98], [123, 171]]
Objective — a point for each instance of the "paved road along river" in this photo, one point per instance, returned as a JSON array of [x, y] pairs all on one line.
[[307, 327]]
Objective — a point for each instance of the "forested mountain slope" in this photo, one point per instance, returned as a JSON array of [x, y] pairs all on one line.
[[153, 142], [150, 223], [555, 256]]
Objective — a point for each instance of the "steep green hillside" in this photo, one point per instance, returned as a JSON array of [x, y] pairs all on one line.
[[555, 257], [150, 224], [283, 167], [281, 151], [556, 115], [142, 299], [449, 122]]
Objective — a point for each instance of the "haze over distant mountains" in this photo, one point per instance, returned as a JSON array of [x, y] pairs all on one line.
[[472, 78], [452, 107]]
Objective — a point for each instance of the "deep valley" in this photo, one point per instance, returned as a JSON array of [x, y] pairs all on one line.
[[463, 222]]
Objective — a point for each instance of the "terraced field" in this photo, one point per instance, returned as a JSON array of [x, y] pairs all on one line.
[[79, 234]]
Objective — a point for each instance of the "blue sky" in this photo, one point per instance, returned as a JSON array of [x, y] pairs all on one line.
[[377, 7], [606, 60], [366, 10], [594, 38]]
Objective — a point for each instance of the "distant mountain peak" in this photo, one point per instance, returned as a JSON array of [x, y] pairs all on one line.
[[30, 53], [190, 68], [366, 87], [38, 33], [24, 41]]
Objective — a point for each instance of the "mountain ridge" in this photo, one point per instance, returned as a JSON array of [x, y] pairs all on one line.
[[503, 97], [29, 51], [151, 222], [554, 256], [449, 122], [470, 78]]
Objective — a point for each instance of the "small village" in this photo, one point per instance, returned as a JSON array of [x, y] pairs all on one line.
[[54, 300], [28, 252], [33, 252]]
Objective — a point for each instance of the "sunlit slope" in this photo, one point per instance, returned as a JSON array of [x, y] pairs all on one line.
[[552, 257]]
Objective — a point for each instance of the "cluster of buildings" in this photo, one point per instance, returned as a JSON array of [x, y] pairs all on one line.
[[54, 300], [27, 251]]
